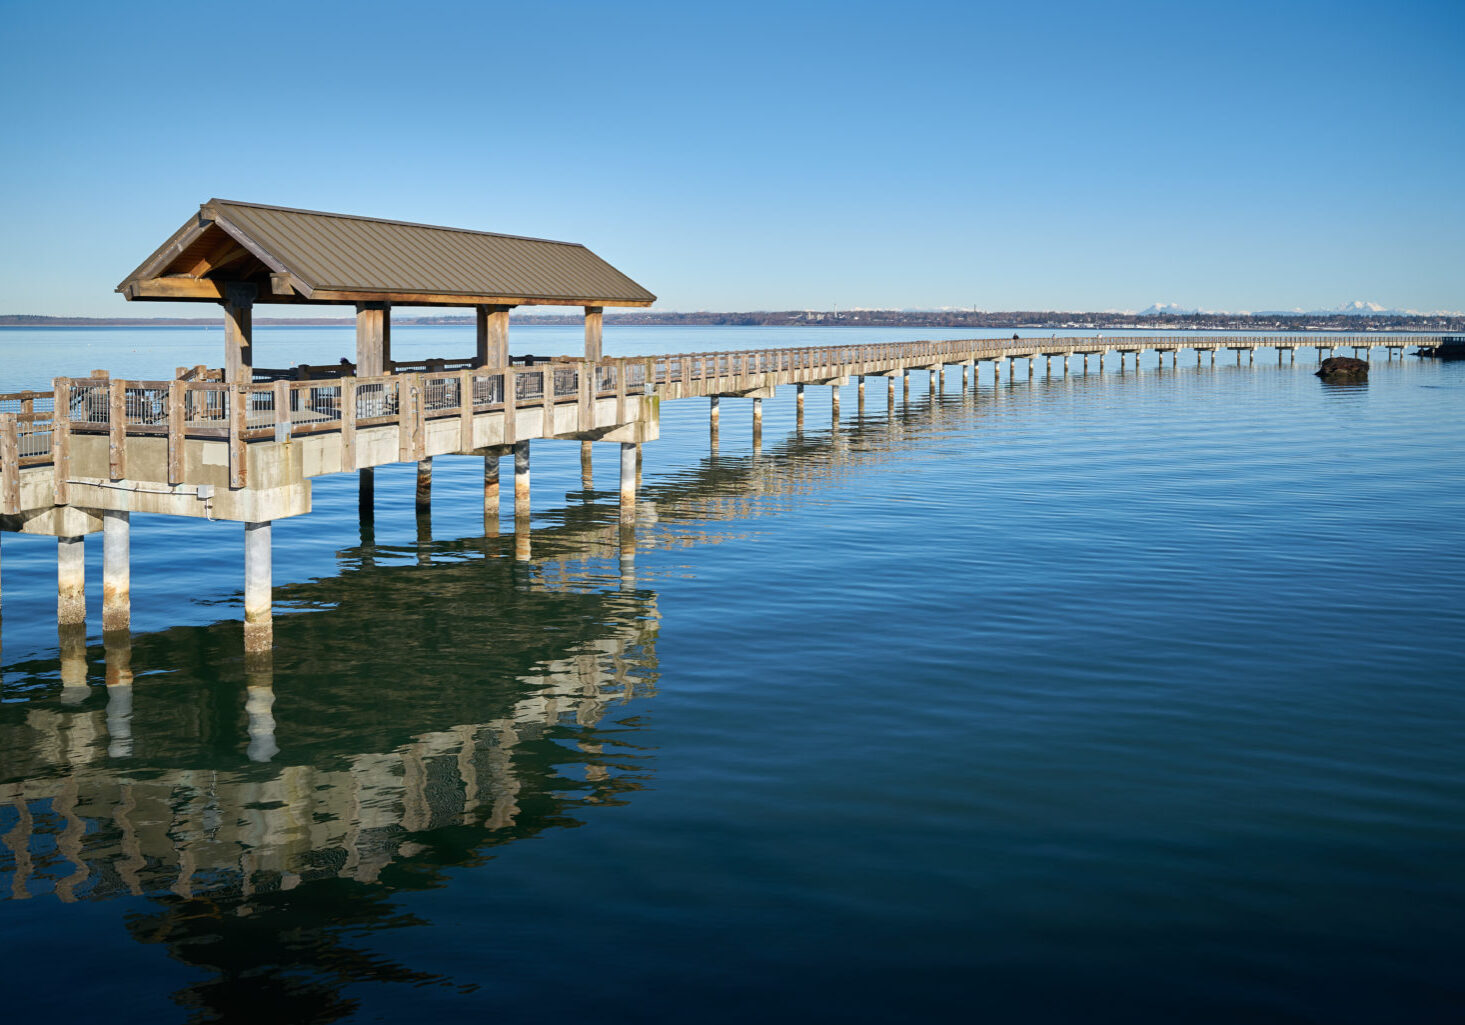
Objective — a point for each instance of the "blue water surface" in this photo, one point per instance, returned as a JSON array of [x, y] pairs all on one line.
[[1120, 697]]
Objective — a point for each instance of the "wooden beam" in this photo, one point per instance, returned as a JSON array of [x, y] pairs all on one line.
[[373, 339], [239, 332], [594, 325], [493, 335]]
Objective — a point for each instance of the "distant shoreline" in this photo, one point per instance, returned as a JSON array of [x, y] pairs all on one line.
[[1014, 320]]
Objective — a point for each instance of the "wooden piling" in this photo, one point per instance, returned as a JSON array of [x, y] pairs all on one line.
[[424, 484], [587, 466]]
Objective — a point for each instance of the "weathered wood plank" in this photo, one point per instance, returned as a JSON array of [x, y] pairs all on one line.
[[61, 442], [117, 430], [176, 418]]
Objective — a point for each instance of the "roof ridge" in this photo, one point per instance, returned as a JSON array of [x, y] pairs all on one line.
[[386, 220]]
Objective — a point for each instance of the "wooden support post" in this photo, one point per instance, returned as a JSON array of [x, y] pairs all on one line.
[[373, 339], [465, 409], [490, 494], [905, 385], [629, 459], [238, 452], [757, 422], [521, 480], [177, 419], [116, 571], [861, 393], [117, 430], [258, 586], [239, 332], [493, 335], [799, 405], [594, 325], [834, 402], [587, 466], [9, 464], [424, 484], [714, 412], [61, 443], [71, 580]]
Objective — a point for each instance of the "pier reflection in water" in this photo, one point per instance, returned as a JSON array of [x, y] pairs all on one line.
[[419, 711]]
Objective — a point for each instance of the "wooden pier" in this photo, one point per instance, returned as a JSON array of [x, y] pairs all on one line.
[[243, 443]]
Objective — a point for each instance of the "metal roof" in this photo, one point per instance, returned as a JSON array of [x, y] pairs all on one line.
[[311, 256]]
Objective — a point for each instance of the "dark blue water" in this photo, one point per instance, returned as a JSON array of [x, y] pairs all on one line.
[[1120, 698]]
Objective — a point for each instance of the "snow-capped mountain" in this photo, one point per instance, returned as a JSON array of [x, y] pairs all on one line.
[[1167, 309]]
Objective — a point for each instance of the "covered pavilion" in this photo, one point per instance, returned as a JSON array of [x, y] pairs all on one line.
[[243, 254]]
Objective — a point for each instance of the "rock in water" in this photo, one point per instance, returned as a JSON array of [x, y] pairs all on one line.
[[1343, 368]]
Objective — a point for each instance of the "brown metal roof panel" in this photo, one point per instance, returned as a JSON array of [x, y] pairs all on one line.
[[344, 253]]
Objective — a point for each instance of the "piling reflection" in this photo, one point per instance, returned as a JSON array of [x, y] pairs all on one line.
[[258, 813]]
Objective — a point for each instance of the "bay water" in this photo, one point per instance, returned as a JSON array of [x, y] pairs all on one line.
[[1133, 697]]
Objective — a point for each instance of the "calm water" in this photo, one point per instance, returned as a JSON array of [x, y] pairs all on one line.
[[1121, 698]]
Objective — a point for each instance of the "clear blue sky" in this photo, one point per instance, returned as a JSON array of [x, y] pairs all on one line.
[[1044, 155]]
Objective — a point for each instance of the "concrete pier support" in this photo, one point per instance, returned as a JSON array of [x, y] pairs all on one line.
[[1030, 368], [996, 371], [116, 572], [259, 628], [938, 380], [71, 580], [963, 376], [905, 386], [424, 484], [490, 495], [628, 482], [587, 466], [890, 394], [521, 480]]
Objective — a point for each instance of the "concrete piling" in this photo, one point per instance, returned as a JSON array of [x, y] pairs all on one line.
[[71, 580], [521, 480], [116, 571], [259, 630], [490, 495]]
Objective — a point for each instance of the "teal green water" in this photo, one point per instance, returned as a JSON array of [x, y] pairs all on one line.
[[1120, 698]]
